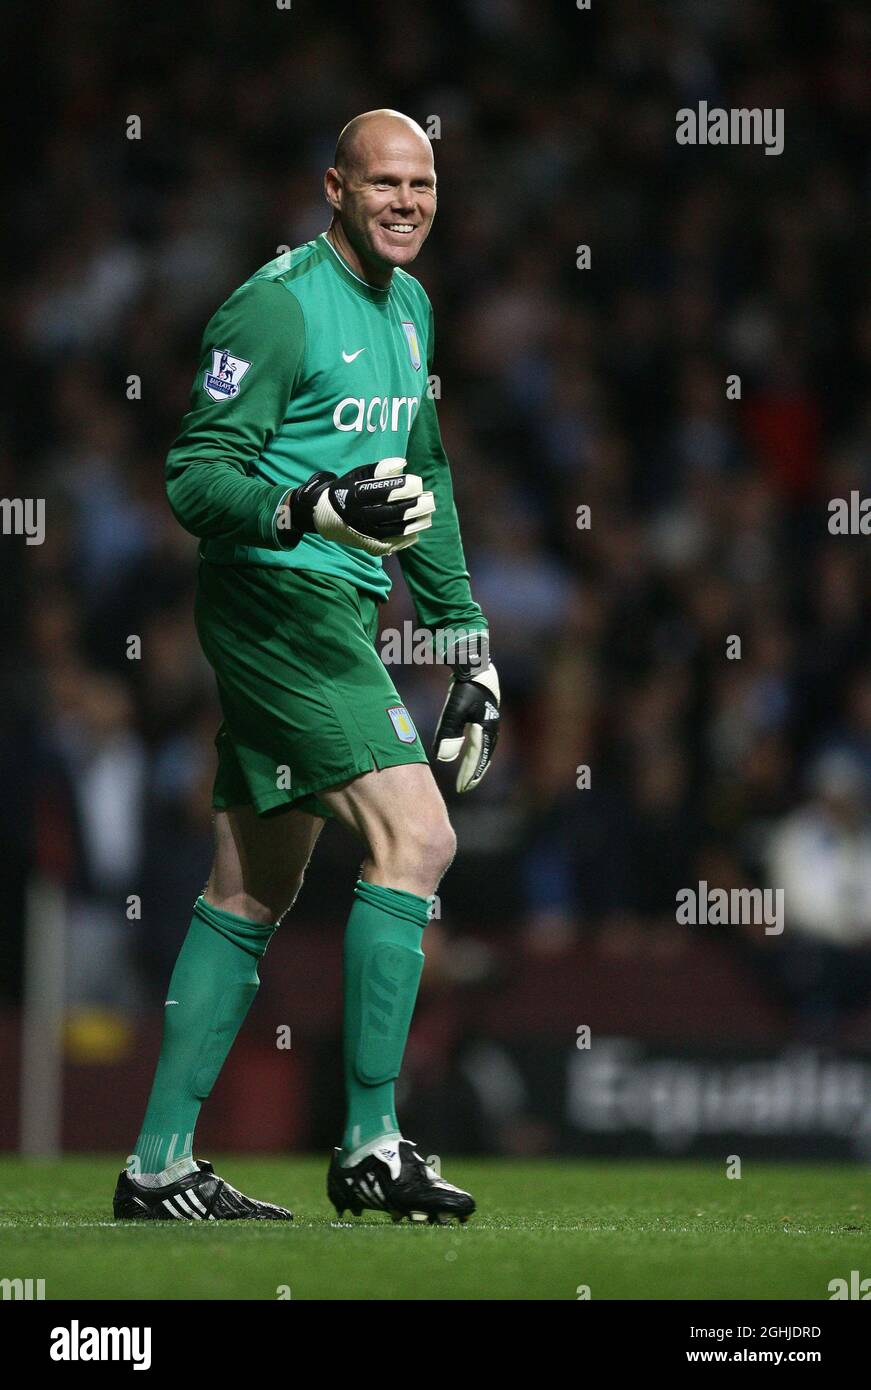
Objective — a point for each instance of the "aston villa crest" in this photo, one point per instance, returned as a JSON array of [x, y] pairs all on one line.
[[401, 721], [413, 347]]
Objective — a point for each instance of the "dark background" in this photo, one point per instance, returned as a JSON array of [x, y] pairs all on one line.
[[559, 387]]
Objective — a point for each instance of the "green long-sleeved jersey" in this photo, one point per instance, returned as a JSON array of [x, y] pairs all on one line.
[[306, 366]]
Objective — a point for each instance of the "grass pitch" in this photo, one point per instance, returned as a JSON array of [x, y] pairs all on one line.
[[671, 1230]]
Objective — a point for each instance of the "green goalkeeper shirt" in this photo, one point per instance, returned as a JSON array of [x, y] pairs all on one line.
[[306, 366]]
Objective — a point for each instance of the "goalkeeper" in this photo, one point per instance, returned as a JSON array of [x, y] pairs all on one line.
[[312, 450]]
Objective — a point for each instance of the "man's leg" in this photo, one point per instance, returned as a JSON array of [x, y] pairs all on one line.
[[400, 815], [258, 869]]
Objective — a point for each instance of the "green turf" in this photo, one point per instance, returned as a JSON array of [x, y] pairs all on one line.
[[627, 1230]]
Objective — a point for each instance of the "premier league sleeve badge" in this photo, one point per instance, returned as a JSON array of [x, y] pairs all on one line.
[[222, 382]]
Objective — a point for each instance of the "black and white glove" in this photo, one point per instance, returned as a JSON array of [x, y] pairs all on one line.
[[376, 508], [469, 723]]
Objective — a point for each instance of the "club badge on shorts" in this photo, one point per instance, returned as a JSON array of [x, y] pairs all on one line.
[[222, 382], [401, 721]]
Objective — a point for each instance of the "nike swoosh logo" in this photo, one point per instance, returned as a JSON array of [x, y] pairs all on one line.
[[351, 356]]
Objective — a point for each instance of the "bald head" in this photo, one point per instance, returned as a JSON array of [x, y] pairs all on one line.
[[382, 190], [371, 131]]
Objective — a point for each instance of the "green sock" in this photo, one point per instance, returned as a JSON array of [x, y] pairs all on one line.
[[382, 968], [211, 990]]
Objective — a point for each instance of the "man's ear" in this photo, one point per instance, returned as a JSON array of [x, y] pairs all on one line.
[[335, 198]]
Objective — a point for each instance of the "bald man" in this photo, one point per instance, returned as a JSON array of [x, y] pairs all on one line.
[[310, 452]]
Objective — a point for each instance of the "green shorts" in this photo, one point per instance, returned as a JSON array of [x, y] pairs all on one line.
[[306, 699]]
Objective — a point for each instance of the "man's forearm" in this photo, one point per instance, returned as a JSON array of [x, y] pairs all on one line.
[[213, 498]]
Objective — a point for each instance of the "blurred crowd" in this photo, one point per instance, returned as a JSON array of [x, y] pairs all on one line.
[[560, 388]]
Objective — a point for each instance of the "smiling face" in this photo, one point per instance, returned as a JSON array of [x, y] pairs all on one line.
[[383, 197]]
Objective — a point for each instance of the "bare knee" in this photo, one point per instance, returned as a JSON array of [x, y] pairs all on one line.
[[414, 856], [260, 863], [264, 902]]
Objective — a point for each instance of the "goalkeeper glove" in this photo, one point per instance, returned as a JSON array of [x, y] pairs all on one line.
[[469, 723], [374, 508]]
